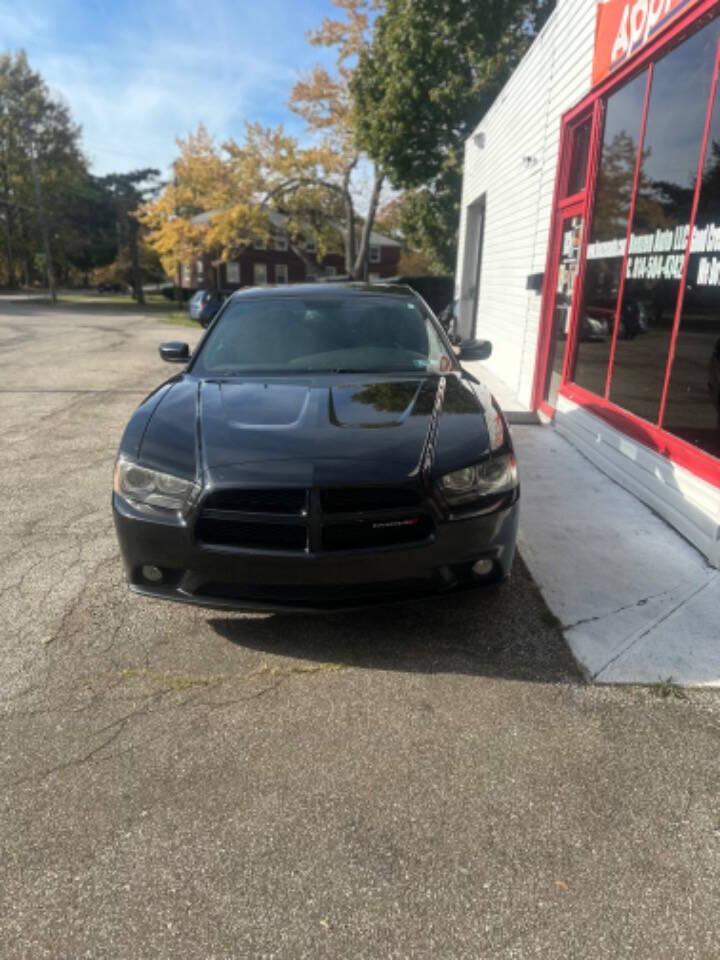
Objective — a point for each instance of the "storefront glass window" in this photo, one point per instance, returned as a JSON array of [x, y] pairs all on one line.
[[666, 184], [571, 245], [579, 157], [608, 232], [692, 410]]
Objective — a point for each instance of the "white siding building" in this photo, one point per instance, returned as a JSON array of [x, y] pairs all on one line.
[[511, 163], [590, 197]]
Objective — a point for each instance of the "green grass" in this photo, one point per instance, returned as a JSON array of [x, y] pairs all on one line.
[[179, 319], [115, 304], [155, 303]]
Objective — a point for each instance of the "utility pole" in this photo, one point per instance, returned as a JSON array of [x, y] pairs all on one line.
[[43, 227]]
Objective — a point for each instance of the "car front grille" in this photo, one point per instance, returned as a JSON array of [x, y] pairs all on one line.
[[228, 532], [365, 534], [355, 499], [314, 521], [259, 501]]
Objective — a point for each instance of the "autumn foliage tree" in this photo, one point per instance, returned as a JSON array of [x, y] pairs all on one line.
[[326, 103], [239, 185]]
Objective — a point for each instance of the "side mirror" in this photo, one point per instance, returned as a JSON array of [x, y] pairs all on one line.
[[475, 350], [174, 352]]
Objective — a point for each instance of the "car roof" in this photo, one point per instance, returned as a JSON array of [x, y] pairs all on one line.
[[323, 290]]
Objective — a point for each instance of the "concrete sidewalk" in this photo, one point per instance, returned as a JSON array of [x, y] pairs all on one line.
[[637, 603], [515, 410]]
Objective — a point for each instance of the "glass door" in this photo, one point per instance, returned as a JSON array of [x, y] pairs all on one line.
[[570, 225]]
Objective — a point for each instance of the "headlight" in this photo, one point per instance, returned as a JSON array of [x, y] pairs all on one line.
[[495, 476], [151, 488]]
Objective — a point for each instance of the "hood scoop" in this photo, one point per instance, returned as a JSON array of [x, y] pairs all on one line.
[[264, 405]]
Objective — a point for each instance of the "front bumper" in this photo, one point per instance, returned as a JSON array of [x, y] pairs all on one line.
[[247, 579]]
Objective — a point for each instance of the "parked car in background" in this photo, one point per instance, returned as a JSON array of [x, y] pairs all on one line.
[[205, 304], [449, 317], [171, 292], [322, 449], [633, 319], [437, 292], [598, 320], [594, 326]]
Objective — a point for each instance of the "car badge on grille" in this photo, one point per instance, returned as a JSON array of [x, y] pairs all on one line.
[[396, 523]]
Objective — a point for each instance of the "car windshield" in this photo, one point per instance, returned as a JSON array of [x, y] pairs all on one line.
[[349, 334]]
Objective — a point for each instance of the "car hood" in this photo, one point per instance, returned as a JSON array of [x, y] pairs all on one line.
[[385, 423]]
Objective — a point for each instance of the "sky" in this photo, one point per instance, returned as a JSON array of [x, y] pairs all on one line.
[[138, 74]]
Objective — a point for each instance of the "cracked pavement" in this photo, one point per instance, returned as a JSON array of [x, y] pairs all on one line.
[[428, 781]]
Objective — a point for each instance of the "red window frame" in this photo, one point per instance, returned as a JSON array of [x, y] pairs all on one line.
[[563, 206], [678, 451]]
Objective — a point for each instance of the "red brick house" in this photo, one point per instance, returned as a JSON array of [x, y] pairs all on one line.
[[275, 262]]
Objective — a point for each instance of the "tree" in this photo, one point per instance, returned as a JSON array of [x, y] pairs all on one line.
[[399, 218], [40, 159], [238, 186], [426, 220], [432, 70], [89, 218], [129, 192], [326, 103], [225, 182]]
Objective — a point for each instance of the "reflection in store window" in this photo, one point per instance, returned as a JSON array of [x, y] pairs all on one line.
[[692, 411], [608, 232], [673, 138]]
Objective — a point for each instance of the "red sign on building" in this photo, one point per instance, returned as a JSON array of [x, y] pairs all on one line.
[[625, 26]]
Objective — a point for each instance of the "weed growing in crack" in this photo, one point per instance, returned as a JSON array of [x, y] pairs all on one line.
[[668, 690]]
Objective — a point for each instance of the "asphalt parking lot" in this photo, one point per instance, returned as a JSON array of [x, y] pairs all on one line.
[[433, 781]]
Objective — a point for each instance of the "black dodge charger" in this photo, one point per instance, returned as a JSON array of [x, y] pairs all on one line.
[[321, 449]]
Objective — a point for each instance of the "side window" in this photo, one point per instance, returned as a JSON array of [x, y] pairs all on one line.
[[579, 153]]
